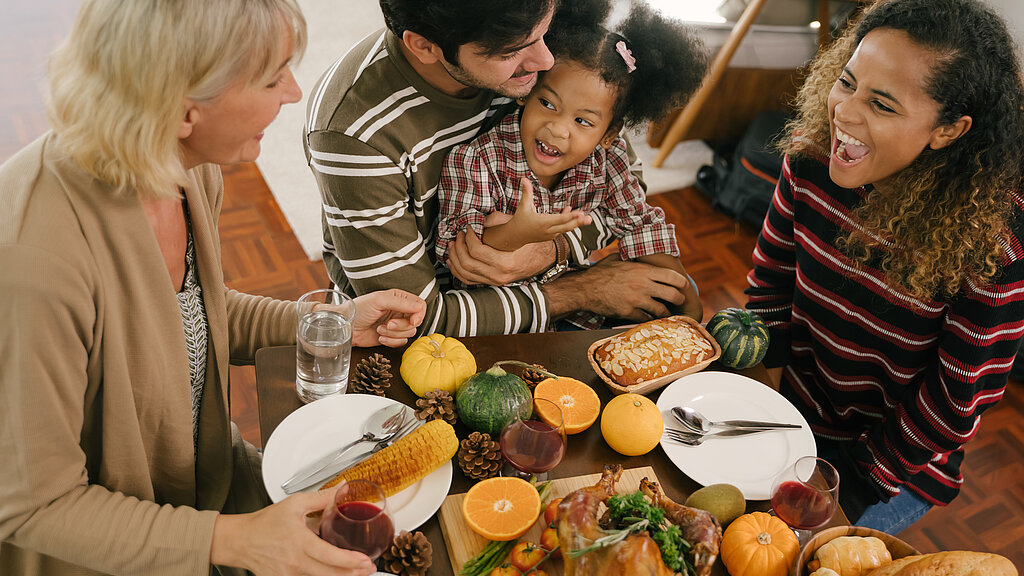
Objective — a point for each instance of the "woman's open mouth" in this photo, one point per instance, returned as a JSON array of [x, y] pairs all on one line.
[[848, 150]]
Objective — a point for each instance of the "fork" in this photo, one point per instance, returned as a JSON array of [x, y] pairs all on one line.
[[337, 467], [694, 439]]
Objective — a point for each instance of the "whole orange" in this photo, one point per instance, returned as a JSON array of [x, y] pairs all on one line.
[[631, 424]]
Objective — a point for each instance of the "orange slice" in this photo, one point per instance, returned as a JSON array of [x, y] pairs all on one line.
[[579, 403], [501, 508]]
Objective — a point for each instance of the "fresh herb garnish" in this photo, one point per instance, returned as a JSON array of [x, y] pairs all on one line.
[[635, 513], [611, 537]]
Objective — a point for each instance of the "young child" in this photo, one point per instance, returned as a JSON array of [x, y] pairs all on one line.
[[559, 160]]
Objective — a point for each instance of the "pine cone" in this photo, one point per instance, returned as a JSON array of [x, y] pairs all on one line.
[[408, 555], [371, 375], [479, 456], [534, 377], [436, 404]]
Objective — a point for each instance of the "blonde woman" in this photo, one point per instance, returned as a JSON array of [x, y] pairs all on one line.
[[114, 420]]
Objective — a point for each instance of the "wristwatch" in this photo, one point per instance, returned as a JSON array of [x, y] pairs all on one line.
[[561, 259]]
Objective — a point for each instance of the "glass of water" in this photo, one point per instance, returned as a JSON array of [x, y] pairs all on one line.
[[323, 343]]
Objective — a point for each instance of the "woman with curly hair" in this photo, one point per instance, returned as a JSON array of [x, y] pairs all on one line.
[[890, 268]]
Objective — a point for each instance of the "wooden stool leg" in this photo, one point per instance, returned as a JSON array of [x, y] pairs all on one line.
[[824, 21], [689, 114]]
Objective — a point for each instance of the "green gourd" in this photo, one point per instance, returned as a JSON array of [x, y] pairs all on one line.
[[489, 400], [742, 335]]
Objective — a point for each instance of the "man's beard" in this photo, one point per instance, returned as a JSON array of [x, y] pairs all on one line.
[[460, 75]]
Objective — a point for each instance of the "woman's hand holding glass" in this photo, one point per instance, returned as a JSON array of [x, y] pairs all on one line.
[[278, 540], [357, 518]]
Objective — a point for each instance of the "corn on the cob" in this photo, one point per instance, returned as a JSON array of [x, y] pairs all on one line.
[[408, 460]]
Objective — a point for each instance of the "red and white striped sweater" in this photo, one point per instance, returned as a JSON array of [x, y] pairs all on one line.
[[901, 383]]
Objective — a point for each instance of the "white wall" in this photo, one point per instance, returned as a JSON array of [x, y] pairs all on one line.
[[1013, 12]]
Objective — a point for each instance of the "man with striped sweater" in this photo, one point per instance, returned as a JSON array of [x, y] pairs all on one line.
[[379, 124]]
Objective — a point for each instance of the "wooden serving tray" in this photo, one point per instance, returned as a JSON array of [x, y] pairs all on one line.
[[463, 543]]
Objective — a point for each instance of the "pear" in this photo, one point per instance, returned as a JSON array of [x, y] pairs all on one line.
[[724, 501]]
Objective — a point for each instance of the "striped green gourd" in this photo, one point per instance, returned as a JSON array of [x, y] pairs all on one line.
[[742, 335]]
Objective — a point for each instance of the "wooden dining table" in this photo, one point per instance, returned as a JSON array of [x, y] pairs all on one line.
[[564, 353]]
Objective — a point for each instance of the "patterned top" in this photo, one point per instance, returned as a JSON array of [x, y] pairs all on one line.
[[376, 137], [484, 176], [902, 381], [193, 318]]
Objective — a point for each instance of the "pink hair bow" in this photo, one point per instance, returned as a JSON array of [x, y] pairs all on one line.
[[627, 55]]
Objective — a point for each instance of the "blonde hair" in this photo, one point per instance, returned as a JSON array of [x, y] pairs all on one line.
[[119, 82]]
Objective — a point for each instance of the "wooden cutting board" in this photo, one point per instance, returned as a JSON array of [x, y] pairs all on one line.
[[463, 543]]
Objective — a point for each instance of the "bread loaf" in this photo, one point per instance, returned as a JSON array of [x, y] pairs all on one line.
[[851, 555], [956, 563], [894, 566], [653, 350]]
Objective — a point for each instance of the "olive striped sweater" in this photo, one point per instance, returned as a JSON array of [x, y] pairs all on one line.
[[901, 383], [376, 138]]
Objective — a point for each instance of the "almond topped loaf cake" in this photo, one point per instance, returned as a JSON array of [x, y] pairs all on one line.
[[653, 350]]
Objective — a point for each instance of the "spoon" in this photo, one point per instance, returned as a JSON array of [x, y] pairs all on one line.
[[380, 426], [699, 438], [696, 421]]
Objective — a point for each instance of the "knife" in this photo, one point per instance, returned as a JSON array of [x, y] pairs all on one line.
[[336, 467]]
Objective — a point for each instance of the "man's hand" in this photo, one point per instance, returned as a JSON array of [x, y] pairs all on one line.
[[474, 262], [628, 290], [528, 226]]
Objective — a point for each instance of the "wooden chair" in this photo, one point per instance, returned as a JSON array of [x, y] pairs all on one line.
[[665, 140]]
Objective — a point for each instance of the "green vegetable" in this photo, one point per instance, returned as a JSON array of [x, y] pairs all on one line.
[[489, 400], [493, 553], [612, 537], [742, 335], [635, 513], [487, 559]]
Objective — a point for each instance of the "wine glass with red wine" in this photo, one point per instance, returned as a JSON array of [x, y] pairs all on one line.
[[358, 519], [806, 495], [534, 441]]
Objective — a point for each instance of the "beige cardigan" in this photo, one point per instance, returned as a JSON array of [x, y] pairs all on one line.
[[98, 466]]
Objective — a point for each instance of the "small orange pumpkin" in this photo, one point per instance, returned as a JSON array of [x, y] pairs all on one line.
[[759, 544]]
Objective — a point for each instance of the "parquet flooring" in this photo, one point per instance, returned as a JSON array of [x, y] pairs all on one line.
[[262, 256]]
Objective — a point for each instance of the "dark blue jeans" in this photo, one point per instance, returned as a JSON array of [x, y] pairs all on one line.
[[897, 514], [891, 517]]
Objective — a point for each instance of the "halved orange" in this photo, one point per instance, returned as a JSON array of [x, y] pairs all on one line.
[[501, 508], [579, 403]]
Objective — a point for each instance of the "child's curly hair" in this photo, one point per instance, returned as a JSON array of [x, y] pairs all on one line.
[[942, 221], [670, 59]]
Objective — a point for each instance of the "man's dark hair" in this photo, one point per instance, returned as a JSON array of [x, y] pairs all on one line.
[[497, 26]]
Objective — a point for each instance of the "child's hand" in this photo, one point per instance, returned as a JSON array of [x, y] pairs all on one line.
[[530, 226]]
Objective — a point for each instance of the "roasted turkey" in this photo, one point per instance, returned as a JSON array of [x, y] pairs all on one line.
[[579, 525], [700, 528]]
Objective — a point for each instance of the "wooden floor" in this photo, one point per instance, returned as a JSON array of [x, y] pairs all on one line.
[[262, 256]]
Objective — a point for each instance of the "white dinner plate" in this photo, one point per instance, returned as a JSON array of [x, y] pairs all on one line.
[[747, 462], [326, 424]]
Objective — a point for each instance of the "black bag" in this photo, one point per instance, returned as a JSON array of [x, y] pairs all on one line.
[[741, 184]]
